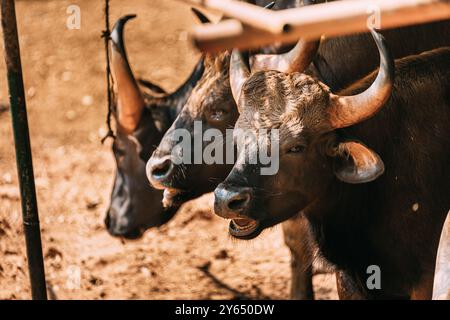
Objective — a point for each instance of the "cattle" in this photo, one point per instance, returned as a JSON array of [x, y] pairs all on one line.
[[338, 62], [441, 288], [368, 167], [211, 101], [144, 113]]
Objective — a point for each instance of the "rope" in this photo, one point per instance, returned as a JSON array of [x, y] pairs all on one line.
[[106, 35]]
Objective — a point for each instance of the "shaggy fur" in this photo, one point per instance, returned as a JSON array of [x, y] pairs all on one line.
[[393, 222]]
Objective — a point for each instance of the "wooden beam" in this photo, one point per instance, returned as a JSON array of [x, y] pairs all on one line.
[[254, 16], [331, 19]]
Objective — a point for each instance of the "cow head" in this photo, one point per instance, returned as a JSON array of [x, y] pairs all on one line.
[[304, 114], [210, 106], [142, 118]]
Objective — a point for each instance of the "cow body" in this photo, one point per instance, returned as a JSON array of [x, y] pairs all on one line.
[[393, 222], [359, 216], [135, 206], [339, 62]]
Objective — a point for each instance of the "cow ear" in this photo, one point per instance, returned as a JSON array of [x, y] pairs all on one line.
[[356, 163]]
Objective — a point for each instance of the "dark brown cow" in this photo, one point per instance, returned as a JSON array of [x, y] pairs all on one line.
[[212, 104], [360, 217], [144, 112]]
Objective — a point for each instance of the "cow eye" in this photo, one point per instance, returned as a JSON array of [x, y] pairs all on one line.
[[297, 149], [217, 114]]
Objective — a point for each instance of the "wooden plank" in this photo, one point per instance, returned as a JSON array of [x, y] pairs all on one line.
[[330, 19]]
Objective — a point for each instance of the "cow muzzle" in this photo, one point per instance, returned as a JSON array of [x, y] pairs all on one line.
[[160, 171], [115, 229], [234, 203]]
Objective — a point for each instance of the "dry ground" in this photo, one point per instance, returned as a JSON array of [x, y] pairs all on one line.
[[192, 257]]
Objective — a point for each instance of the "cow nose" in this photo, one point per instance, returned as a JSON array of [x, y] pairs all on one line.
[[232, 202], [159, 170], [117, 228]]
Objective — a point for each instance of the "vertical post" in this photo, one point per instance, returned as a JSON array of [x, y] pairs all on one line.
[[23, 151]]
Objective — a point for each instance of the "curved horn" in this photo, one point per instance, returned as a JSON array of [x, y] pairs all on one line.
[[200, 16], [192, 80], [239, 73], [269, 5], [178, 98], [297, 59], [130, 100], [346, 111]]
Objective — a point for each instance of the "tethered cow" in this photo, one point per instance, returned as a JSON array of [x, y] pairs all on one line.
[[142, 118], [338, 62], [334, 149], [212, 101]]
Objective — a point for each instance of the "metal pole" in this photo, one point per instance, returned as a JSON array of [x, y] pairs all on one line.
[[23, 151]]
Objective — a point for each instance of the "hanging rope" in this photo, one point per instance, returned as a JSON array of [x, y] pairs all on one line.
[[106, 35]]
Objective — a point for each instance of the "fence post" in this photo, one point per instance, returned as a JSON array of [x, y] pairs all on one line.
[[23, 151]]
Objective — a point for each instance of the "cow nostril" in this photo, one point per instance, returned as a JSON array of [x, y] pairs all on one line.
[[162, 169], [239, 201]]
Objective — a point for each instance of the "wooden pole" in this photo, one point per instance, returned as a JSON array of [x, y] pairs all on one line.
[[331, 19]]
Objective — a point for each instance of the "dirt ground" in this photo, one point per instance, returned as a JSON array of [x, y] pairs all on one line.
[[192, 257]]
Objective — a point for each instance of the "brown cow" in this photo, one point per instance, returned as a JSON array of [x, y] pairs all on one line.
[[144, 112], [211, 103], [361, 218]]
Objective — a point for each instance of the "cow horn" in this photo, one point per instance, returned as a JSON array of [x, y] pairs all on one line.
[[130, 100], [200, 16], [297, 59], [180, 95], [348, 110], [239, 73]]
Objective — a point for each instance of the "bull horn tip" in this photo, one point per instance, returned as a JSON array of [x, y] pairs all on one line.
[[117, 30], [200, 16], [270, 5], [122, 20], [387, 61]]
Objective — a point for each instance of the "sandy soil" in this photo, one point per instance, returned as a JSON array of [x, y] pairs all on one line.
[[191, 257]]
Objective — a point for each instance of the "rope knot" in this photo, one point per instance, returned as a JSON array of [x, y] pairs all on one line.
[[110, 134], [106, 34]]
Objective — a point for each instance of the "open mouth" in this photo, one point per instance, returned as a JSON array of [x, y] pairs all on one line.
[[244, 228], [174, 197]]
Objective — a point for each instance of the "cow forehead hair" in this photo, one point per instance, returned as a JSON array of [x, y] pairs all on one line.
[[218, 62], [213, 87], [288, 102]]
